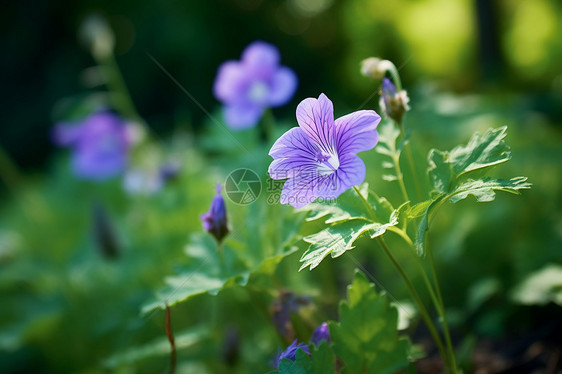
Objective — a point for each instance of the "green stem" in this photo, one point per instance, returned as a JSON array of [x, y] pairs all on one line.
[[413, 292], [400, 177], [411, 162], [267, 126], [118, 89], [441, 311], [423, 311], [365, 202], [222, 263]]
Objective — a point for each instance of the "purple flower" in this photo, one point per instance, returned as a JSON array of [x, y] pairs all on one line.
[[291, 351], [321, 333], [319, 157], [256, 82], [393, 103], [214, 221], [99, 143]]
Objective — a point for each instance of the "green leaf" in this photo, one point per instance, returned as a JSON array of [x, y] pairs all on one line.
[[320, 361], [483, 189], [337, 239], [159, 347], [301, 365], [323, 359], [366, 338], [482, 151], [346, 207], [541, 287], [206, 274], [388, 136]]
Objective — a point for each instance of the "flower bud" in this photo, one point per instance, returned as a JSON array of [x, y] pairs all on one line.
[[374, 67], [393, 103], [215, 221], [291, 352], [98, 37], [321, 333]]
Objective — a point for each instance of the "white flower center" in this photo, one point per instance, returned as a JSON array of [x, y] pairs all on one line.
[[258, 92], [327, 163]]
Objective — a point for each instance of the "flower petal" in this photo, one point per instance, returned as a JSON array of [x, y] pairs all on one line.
[[351, 172], [261, 58], [231, 82], [293, 143], [316, 118], [357, 132], [242, 116], [283, 86], [301, 190], [65, 134]]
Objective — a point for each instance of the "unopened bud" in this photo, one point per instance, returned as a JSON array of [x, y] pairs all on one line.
[[215, 221], [374, 67], [97, 35], [393, 103]]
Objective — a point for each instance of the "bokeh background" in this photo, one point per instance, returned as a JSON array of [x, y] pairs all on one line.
[[468, 65], [461, 46]]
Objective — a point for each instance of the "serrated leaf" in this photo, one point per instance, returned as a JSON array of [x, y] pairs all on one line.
[[366, 338], [301, 365], [483, 189], [417, 210], [346, 207], [337, 239], [388, 135], [320, 361], [481, 151]]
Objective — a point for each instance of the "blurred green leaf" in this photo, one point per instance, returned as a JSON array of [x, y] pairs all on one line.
[[540, 287], [366, 338], [160, 347]]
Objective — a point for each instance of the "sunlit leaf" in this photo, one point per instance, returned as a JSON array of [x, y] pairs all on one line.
[[481, 151], [483, 189], [337, 239]]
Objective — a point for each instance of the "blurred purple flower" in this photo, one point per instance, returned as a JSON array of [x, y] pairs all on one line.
[[393, 103], [256, 82], [318, 158], [100, 145], [291, 352], [321, 333], [214, 221]]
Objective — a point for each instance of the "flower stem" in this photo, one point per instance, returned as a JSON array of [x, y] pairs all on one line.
[[400, 177], [423, 311], [267, 126], [440, 306], [411, 162], [119, 93]]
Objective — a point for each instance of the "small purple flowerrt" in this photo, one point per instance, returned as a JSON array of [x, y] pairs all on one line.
[[393, 103], [318, 158], [321, 333], [100, 145], [291, 352], [214, 221], [256, 82]]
